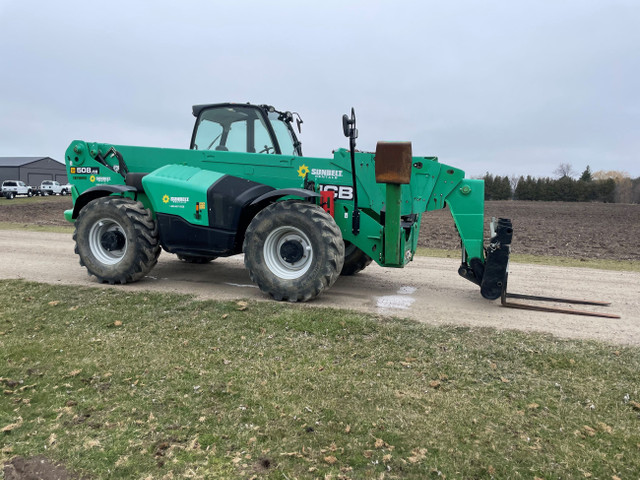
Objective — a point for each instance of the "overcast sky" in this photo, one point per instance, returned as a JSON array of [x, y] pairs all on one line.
[[507, 87]]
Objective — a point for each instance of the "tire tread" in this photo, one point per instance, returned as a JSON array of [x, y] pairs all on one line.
[[146, 229], [331, 240]]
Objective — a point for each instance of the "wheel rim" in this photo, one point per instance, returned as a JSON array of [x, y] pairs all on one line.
[[107, 241], [288, 252]]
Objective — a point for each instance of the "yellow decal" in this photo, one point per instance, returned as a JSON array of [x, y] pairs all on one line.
[[165, 199], [303, 171], [202, 206], [92, 178], [73, 169]]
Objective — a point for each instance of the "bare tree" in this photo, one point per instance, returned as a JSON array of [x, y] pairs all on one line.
[[616, 175], [513, 180], [565, 170]]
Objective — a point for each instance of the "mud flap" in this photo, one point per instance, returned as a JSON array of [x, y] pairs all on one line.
[[494, 279]]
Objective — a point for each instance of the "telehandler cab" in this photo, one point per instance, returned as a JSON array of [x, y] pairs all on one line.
[[244, 187]]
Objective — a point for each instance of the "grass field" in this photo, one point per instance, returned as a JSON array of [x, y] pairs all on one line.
[[121, 385]]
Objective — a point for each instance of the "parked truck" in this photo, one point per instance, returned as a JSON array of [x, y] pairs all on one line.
[[51, 187], [13, 188]]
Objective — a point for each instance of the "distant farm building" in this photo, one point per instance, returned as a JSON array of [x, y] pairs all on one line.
[[32, 170]]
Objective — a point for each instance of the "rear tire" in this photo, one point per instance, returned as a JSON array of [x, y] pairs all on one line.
[[63, 192], [195, 258], [293, 251], [116, 239], [355, 260], [10, 195]]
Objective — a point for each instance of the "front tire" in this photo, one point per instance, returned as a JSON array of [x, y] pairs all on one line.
[[116, 239], [293, 250]]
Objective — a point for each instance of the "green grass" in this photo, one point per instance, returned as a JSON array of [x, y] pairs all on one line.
[[116, 384], [19, 200], [22, 200], [36, 228]]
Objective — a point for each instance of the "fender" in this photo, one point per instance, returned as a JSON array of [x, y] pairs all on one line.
[[97, 192], [275, 194]]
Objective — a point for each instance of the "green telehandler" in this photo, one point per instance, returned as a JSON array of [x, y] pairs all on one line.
[[245, 187]]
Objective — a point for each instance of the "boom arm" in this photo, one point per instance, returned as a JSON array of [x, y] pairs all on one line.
[[466, 203]]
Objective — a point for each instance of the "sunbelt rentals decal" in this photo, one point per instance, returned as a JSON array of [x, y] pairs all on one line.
[[176, 202], [327, 173], [94, 179], [303, 171]]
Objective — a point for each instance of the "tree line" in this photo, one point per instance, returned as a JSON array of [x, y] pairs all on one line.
[[609, 187]]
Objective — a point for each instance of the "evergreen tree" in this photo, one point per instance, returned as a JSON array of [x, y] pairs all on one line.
[[521, 189], [606, 190], [489, 187], [589, 188], [505, 188], [582, 190], [533, 188], [565, 189], [545, 190], [586, 175], [533, 191], [541, 190]]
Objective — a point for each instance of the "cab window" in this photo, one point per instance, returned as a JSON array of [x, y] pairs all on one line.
[[233, 128]]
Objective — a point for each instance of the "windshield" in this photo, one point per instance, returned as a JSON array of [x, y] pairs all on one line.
[[283, 134]]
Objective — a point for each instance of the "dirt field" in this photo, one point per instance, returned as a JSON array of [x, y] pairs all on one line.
[[575, 230], [35, 210], [564, 229]]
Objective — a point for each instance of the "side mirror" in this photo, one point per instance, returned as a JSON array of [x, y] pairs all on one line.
[[298, 121], [345, 125], [349, 125]]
